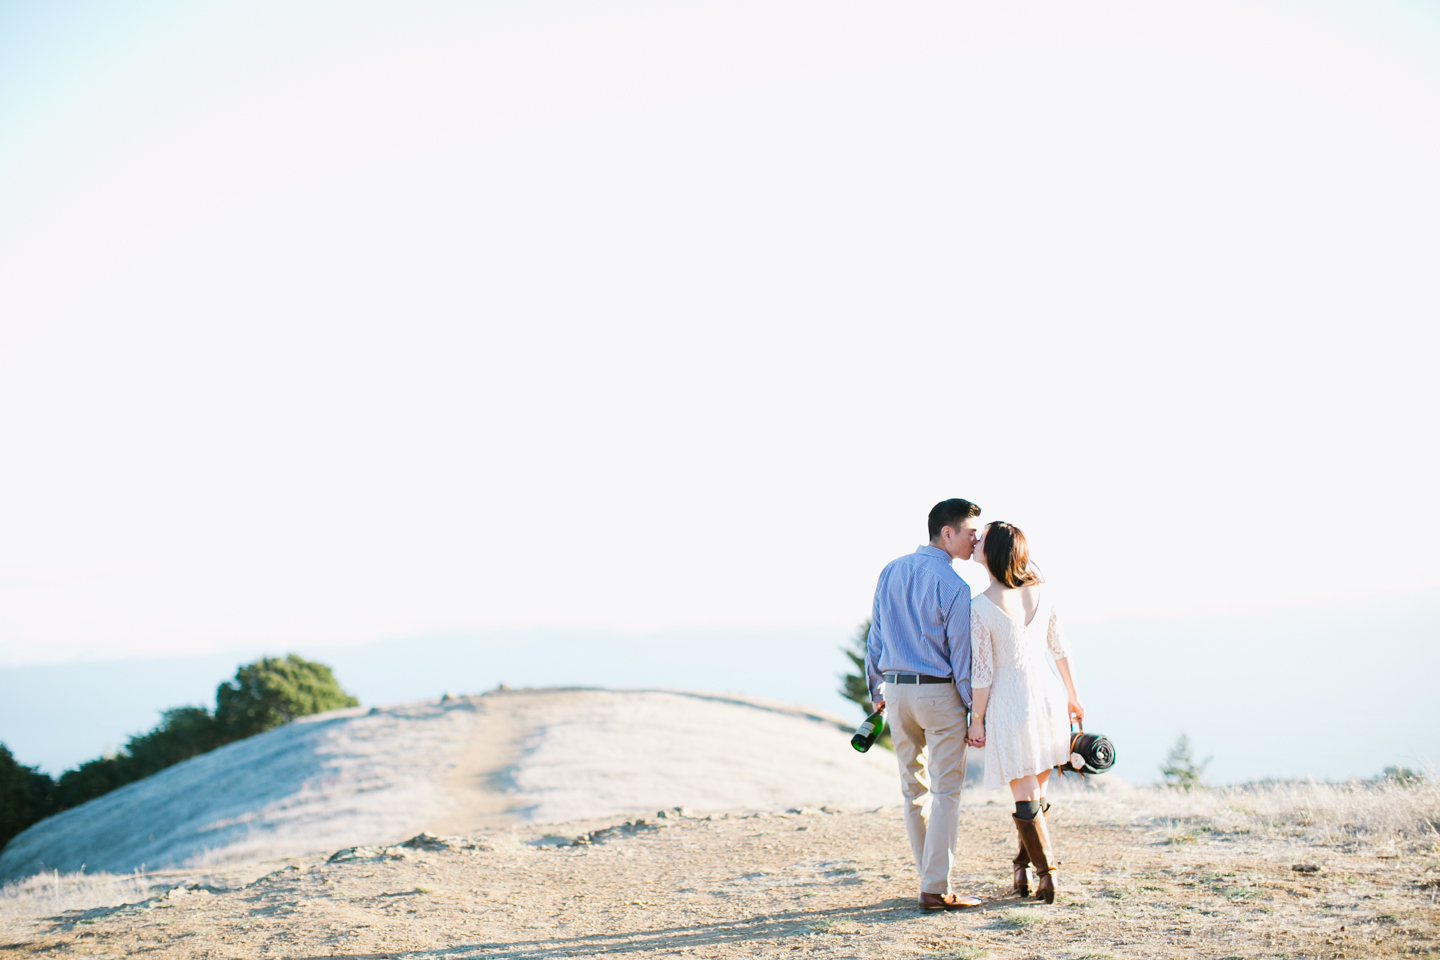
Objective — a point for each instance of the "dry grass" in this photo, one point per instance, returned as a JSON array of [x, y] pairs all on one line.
[[962, 953], [1367, 813], [50, 894], [1021, 919]]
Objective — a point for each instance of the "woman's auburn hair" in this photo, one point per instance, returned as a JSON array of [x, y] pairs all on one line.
[[1007, 556]]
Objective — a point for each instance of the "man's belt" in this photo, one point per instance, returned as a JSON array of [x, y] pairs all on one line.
[[914, 678]]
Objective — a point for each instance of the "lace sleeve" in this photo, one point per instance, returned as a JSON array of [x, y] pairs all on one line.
[[982, 653], [1055, 638]]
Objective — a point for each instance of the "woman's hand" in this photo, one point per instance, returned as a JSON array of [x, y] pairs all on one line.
[[1077, 709], [975, 734]]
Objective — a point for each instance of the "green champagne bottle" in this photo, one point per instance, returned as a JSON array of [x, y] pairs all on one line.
[[868, 732]]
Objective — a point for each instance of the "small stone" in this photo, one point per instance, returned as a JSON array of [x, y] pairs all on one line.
[[1306, 868], [426, 841]]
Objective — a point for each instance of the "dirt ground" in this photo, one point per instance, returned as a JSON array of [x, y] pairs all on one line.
[[807, 883]]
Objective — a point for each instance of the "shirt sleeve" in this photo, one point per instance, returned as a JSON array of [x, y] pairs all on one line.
[[982, 652], [1055, 638], [874, 646], [957, 632]]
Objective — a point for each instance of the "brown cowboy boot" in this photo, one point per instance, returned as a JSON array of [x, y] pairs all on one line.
[[1022, 859], [1037, 843]]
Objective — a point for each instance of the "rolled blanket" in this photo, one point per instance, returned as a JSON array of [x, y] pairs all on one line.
[[1091, 753]]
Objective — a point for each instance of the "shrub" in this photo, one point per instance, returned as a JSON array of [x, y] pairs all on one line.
[[1181, 769], [26, 795], [184, 732], [274, 691], [91, 779]]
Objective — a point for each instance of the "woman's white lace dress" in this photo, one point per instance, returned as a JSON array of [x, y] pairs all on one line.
[[1027, 720]]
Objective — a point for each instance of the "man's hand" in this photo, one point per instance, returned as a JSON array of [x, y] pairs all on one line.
[[878, 705]]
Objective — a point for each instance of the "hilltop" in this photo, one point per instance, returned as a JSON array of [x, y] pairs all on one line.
[[459, 765]]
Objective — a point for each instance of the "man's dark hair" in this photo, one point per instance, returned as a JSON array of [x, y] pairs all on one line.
[[949, 513]]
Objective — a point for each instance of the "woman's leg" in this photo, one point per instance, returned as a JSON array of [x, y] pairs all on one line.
[[1030, 824], [1024, 791], [1028, 788], [1042, 779]]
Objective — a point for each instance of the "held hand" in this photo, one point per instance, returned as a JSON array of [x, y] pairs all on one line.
[[878, 705], [1077, 709], [975, 735]]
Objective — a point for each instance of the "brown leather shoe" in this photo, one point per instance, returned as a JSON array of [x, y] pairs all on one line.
[[1037, 843], [947, 901]]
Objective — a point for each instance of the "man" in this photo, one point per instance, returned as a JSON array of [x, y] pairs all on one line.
[[919, 648]]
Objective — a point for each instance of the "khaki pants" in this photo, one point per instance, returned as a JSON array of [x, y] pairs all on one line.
[[927, 727]]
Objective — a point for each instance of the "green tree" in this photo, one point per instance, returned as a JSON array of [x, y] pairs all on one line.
[[26, 795], [1181, 769], [855, 687], [272, 691]]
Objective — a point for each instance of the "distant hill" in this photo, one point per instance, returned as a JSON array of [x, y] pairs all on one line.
[[354, 776]]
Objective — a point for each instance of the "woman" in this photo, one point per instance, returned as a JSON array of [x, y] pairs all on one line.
[[1020, 714]]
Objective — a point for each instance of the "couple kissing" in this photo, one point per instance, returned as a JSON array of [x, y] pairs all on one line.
[[953, 672]]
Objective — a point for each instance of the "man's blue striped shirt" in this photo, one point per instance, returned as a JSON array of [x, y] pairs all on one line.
[[920, 622]]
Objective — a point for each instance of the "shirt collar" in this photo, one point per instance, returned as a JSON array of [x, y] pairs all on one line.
[[935, 552]]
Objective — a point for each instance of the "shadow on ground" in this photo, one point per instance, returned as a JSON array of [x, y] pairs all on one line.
[[762, 927]]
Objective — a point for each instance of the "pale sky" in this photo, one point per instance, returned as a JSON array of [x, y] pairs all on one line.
[[333, 322]]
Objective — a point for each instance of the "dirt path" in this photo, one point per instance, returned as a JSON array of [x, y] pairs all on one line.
[[817, 883]]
